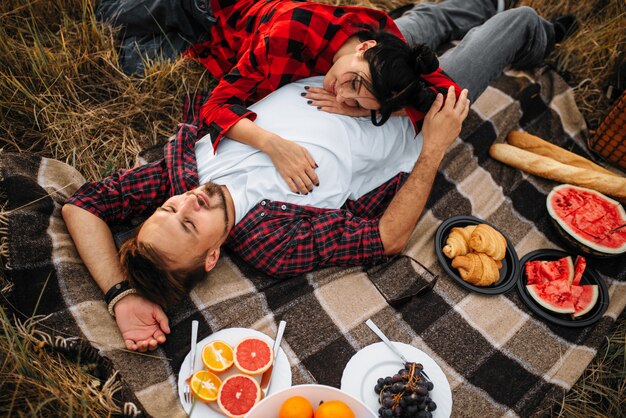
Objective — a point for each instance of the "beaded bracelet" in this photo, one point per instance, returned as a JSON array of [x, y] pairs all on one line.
[[116, 290], [118, 298]]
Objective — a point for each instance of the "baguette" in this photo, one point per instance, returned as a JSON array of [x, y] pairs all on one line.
[[537, 145], [554, 170]]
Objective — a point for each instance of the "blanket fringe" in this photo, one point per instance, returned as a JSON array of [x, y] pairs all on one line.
[[4, 231]]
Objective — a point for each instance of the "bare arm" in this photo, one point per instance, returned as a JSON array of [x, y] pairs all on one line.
[[441, 126], [142, 323]]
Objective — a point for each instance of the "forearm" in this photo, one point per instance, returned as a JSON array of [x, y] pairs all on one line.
[[402, 214], [95, 245], [249, 133]]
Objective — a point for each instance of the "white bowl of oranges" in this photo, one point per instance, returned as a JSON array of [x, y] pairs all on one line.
[[311, 401]]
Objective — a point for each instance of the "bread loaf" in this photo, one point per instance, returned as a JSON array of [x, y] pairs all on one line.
[[554, 170], [538, 146]]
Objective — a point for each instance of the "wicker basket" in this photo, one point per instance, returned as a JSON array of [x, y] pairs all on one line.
[[610, 139]]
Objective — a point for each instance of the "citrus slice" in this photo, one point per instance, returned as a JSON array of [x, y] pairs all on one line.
[[205, 385], [296, 407], [253, 355], [238, 394], [217, 356]]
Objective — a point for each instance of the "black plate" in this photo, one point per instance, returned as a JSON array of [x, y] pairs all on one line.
[[565, 320], [510, 264]]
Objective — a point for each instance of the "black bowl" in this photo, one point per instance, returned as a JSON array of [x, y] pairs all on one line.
[[510, 264], [565, 320]]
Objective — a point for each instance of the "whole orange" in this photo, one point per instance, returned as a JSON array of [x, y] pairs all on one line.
[[296, 407], [333, 409]]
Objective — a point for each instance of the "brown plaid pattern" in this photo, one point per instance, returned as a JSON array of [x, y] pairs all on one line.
[[499, 358]]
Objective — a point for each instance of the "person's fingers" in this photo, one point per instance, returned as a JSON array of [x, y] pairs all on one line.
[[461, 102], [142, 346], [164, 322], [301, 187], [436, 106], [467, 109], [159, 336], [152, 344], [451, 98], [310, 172], [130, 345], [291, 184]]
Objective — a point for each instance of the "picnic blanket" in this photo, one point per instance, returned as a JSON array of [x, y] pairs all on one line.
[[498, 357]]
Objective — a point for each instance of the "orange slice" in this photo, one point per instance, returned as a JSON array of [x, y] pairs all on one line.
[[205, 385], [217, 356]]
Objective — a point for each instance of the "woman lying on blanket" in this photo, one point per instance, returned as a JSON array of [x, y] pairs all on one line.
[[255, 47]]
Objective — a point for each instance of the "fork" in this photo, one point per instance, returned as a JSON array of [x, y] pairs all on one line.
[[192, 361]]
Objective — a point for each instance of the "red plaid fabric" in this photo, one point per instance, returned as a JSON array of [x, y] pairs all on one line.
[[278, 238], [258, 46]]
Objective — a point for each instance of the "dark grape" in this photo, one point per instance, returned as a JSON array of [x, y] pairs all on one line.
[[387, 402], [396, 378], [431, 405], [397, 387], [429, 386], [411, 410], [377, 389], [387, 413], [386, 392], [380, 381], [421, 390], [388, 380]]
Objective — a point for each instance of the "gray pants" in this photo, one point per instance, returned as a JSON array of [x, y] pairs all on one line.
[[155, 29], [491, 42]]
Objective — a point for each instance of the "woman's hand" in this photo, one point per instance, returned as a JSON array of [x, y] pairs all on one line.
[[326, 101], [293, 162]]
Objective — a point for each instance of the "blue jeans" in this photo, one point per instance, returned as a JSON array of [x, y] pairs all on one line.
[[491, 42]]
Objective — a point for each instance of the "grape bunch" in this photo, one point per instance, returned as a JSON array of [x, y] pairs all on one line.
[[405, 394]]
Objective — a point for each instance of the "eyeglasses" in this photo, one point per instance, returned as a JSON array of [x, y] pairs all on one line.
[[402, 300]]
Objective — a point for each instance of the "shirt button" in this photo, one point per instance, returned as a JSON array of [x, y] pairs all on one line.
[[262, 213], [263, 203], [283, 207]]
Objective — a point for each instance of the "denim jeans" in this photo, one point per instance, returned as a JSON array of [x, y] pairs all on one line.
[[491, 42], [155, 29]]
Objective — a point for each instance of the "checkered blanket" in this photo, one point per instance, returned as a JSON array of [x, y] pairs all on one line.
[[498, 357]]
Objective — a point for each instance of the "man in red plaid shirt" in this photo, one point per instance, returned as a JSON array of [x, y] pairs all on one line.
[[281, 239]]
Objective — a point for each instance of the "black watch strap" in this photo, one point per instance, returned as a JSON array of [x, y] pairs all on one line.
[[116, 290]]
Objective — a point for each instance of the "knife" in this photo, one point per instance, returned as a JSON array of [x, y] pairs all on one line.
[[266, 380]]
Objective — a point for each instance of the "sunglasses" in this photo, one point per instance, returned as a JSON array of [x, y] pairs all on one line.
[[404, 299]]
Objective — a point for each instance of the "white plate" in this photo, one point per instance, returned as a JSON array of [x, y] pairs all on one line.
[[269, 407], [281, 376], [377, 360]]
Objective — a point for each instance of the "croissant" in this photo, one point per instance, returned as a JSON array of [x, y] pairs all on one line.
[[487, 240], [457, 242], [477, 268]]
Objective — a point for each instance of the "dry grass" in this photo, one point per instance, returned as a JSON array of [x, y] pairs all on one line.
[[62, 95]]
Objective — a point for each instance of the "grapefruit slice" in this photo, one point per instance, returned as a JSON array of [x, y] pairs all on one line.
[[253, 356], [238, 394], [217, 356], [205, 385]]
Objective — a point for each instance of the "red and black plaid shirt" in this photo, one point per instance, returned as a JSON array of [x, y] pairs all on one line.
[[278, 238], [259, 46]]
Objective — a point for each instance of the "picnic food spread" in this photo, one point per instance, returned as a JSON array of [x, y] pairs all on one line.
[[555, 285], [552, 162], [405, 394], [477, 252], [590, 221], [236, 394]]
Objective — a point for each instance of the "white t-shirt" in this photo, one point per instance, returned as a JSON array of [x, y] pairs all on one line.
[[353, 155]]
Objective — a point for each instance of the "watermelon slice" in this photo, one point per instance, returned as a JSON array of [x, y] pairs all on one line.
[[588, 220], [542, 272], [579, 269], [585, 298], [555, 285]]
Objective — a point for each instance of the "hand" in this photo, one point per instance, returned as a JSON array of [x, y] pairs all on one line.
[[327, 101], [143, 324], [442, 123], [294, 164]]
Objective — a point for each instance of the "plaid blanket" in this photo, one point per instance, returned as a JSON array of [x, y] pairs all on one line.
[[498, 357]]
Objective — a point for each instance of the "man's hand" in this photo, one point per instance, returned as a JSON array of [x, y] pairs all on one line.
[[143, 324], [327, 101], [294, 164], [442, 123]]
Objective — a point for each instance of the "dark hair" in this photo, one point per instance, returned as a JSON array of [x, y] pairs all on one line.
[[395, 69], [147, 273]]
